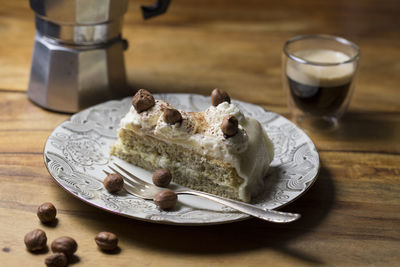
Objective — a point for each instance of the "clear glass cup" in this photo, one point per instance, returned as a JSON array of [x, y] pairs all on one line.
[[319, 73]]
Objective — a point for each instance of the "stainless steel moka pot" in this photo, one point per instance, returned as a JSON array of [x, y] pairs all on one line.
[[78, 52]]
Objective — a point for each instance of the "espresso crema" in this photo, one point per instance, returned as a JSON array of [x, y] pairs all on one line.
[[319, 89]]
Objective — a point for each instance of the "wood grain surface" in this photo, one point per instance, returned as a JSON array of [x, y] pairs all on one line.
[[351, 215]]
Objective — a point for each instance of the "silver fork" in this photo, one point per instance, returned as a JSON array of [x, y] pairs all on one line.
[[142, 189]]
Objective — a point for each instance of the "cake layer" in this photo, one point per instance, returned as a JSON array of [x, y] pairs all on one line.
[[198, 148], [188, 167]]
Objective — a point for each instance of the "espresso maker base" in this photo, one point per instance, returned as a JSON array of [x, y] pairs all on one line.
[[76, 77]]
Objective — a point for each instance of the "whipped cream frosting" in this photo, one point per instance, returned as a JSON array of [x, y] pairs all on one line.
[[250, 151]]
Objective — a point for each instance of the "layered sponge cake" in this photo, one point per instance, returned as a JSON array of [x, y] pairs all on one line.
[[219, 150]]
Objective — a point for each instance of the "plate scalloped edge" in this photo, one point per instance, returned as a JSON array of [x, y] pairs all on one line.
[[76, 152]]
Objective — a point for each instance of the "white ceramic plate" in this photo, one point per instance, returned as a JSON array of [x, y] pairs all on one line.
[[77, 151]]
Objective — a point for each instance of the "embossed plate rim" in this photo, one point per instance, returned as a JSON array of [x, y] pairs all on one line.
[[246, 108]]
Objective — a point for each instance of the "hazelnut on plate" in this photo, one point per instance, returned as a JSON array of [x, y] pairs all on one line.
[[113, 182], [166, 199], [162, 177]]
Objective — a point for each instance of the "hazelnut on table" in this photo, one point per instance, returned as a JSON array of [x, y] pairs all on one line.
[[64, 244], [46, 212], [35, 240], [106, 241], [56, 260]]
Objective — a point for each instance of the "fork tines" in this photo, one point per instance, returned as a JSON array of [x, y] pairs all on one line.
[[128, 176]]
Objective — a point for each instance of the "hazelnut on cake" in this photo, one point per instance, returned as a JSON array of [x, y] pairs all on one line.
[[219, 151]]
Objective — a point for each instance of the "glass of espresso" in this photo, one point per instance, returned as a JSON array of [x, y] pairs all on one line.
[[319, 73]]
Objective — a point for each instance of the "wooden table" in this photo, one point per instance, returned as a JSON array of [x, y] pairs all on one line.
[[351, 215]]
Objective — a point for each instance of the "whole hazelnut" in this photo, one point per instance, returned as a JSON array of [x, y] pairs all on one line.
[[143, 100], [46, 212], [35, 240], [172, 116], [64, 244], [229, 126], [218, 96], [56, 260], [113, 182], [162, 177], [106, 241], [166, 199]]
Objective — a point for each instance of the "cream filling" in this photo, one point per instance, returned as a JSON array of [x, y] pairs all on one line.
[[250, 151]]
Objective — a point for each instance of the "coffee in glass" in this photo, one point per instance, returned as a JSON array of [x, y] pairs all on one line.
[[318, 75]]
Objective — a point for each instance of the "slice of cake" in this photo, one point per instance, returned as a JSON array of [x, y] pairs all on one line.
[[218, 151]]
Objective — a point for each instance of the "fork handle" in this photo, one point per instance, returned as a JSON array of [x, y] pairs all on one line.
[[264, 214]]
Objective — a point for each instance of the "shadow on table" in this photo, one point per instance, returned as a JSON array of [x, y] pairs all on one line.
[[235, 237], [363, 126]]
